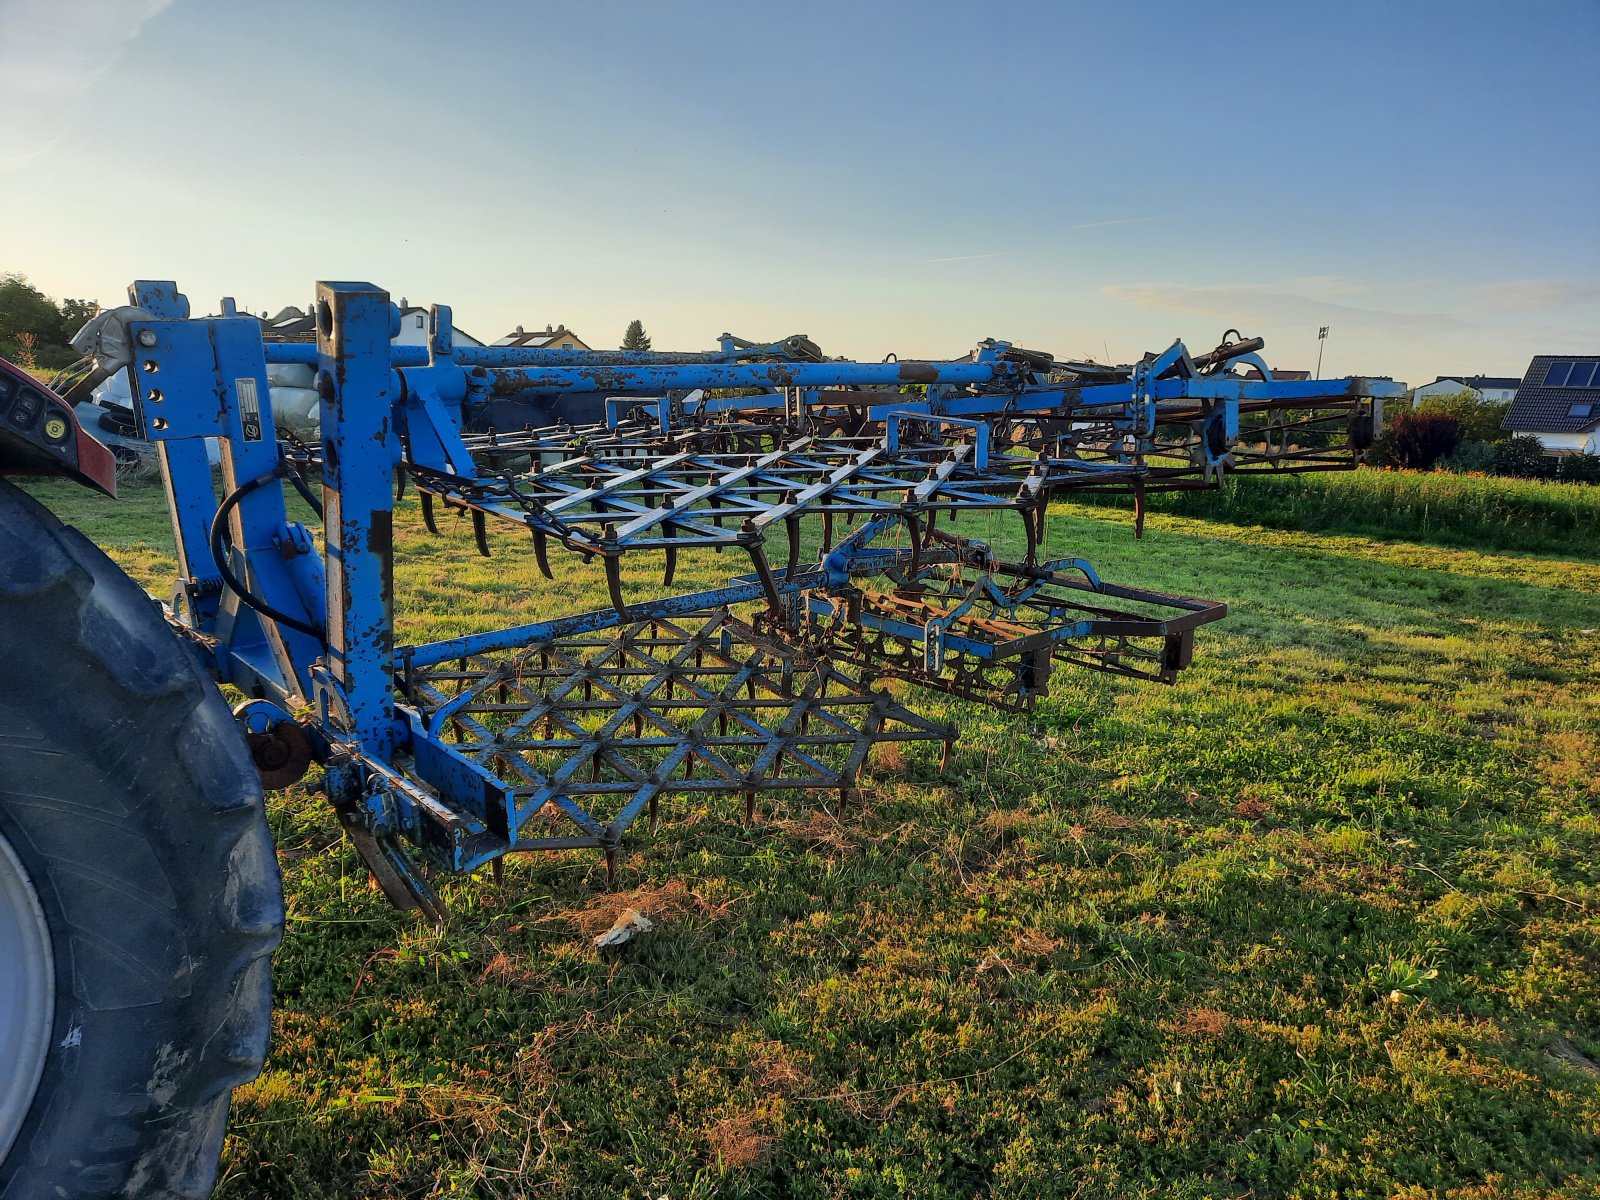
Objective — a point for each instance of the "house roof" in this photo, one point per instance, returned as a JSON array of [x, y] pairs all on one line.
[[290, 325], [1282, 376], [1480, 382], [536, 337], [1545, 403]]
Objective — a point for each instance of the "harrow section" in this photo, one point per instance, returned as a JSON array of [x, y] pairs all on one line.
[[587, 730], [994, 631]]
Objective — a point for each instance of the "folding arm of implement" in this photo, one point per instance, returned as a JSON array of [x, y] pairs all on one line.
[[560, 733]]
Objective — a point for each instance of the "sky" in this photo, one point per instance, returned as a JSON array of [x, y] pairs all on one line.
[[1094, 179]]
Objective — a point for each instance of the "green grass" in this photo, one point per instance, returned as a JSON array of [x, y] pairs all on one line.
[[1321, 920], [1438, 507]]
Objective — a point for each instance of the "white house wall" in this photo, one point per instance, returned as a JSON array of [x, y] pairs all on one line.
[[1455, 387], [1570, 443]]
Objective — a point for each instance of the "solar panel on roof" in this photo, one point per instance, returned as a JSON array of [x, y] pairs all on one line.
[[1557, 374]]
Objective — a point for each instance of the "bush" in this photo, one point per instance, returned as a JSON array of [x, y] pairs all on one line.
[[1576, 468], [1471, 457], [1480, 419], [1419, 439], [1521, 455]]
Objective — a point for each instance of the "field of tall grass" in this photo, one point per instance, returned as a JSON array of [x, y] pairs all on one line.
[[1429, 506], [1321, 920]]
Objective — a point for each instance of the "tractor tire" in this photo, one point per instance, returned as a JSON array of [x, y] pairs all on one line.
[[139, 893]]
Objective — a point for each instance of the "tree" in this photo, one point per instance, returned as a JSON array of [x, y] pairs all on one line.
[[74, 315], [1417, 440], [635, 338], [25, 309], [1480, 419], [34, 327]]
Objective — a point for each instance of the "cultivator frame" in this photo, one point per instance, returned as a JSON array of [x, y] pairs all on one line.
[[558, 734]]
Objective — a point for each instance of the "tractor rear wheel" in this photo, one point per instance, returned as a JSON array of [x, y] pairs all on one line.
[[139, 893]]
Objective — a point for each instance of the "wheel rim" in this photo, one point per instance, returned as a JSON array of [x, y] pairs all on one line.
[[27, 994]]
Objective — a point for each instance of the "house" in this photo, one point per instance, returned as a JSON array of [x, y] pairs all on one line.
[[414, 328], [292, 325], [1558, 402], [552, 338], [1278, 376], [1489, 389]]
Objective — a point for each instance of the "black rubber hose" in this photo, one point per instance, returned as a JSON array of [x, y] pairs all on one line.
[[219, 554]]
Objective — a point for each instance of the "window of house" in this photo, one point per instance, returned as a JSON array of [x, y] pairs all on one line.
[[566, 345], [419, 320], [1581, 410]]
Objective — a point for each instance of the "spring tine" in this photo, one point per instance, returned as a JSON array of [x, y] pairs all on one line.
[[914, 524], [1032, 557], [541, 553], [480, 532], [1138, 508], [791, 526], [399, 484], [672, 566], [613, 565], [655, 804], [827, 530], [758, 559], [427, 511], [611, 868]]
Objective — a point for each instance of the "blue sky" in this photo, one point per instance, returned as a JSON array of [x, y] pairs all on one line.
[[1088, 178]]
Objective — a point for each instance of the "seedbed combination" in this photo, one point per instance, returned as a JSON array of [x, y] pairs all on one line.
[[141, 895]]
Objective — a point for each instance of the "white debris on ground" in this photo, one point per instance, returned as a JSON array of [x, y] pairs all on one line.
[[629, 922]]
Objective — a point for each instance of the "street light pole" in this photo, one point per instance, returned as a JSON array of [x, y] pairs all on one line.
[[1322, 336]]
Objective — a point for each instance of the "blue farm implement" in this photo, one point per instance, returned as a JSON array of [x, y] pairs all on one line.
[[139, 899], [840, 486]]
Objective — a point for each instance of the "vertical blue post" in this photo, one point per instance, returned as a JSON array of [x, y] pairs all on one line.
[[186, 475], [354, 381]]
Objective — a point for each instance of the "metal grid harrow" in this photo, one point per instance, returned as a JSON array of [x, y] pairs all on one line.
[[994, 632], [590, 730]]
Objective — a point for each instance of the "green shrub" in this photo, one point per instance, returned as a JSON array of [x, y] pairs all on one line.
[[1521, 456], [1471, 456], [1479, 419], [1576, 468]]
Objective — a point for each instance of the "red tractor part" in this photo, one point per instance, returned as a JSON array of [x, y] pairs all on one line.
[[40, 435]]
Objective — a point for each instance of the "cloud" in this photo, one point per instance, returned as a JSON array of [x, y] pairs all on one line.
[[54, 52]]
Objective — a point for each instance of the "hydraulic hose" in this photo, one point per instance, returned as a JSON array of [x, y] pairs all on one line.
[[219, 554]]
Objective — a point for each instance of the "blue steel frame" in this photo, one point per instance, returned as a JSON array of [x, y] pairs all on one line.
[[301, 627]]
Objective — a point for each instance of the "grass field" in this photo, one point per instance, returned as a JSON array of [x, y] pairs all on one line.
[[1434, 506], [1321, 920]]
